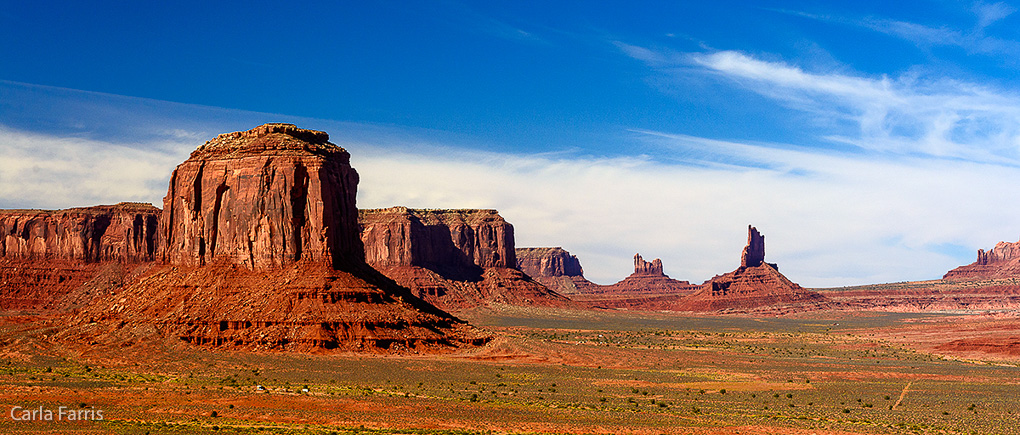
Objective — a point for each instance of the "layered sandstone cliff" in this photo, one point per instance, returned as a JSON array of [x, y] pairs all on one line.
[[260, 239], [554, 268], [454, 259], [456, 243], [1002, 261], [125, 232], [263, 198], [56, 260], [548, 262]]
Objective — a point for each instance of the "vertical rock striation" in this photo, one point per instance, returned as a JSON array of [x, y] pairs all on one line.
[[554, 268], [457, 242], [455, 259], [548, 262], [263, 198], [125, 232], [642, 267], [753, 254]]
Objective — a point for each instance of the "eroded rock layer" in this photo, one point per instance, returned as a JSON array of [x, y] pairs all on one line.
[[754, 285], [547, 262], [1002, 261], [454, 259], [302, 306], [263, 198], [125, 232], [451, 242], [261, 247], [554, 268]]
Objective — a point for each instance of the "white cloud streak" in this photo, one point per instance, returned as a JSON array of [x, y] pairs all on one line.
[[43, 171], [904, 115]]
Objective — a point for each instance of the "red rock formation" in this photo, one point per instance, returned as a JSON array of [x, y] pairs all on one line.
[[754, 286], [55, 260], [261, 238], [447, 241], [302, 306], [454, 259], [263, 198], [1002, 261], [647, 281], [754, 252], [125, 232], [642, 267], [554, 268], [548, 262]]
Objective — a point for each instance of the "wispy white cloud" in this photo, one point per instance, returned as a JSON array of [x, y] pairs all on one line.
[[905, 115], [973, 40], [45, 171], [988, 13]]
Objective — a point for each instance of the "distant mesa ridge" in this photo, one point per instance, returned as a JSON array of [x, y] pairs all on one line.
[[124, 232], [454, 259], [1002, 261]]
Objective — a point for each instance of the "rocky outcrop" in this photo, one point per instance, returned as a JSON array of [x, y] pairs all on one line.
[[1002, 261], [261, 247], [554, 268], [51, 261], [753, 254], [454, 243], [263, 198], [754, 286], [648, 279], [125, 232], [299, 307], [548, 262], [642, 267], [454, 259]]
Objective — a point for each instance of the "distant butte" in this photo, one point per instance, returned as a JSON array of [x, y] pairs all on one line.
[[454, 259], [1002, 261], [753, 285], [554, 268]]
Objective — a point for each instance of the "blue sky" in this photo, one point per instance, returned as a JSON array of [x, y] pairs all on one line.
[[869, 141]]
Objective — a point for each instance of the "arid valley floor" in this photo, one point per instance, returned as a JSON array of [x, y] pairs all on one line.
[[551, 371]]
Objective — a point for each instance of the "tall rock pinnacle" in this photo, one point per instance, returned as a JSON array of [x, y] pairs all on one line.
[[754, 252]]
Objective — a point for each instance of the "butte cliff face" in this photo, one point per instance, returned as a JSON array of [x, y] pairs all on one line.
[[261, 198], [260, 240], [1002, 261], [456, 243], [554, 268], [454, 259], [754, 286], [125, 232], [51, 260]]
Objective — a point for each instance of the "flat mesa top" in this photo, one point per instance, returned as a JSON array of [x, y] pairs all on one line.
[[274, 138], [140, 207]]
